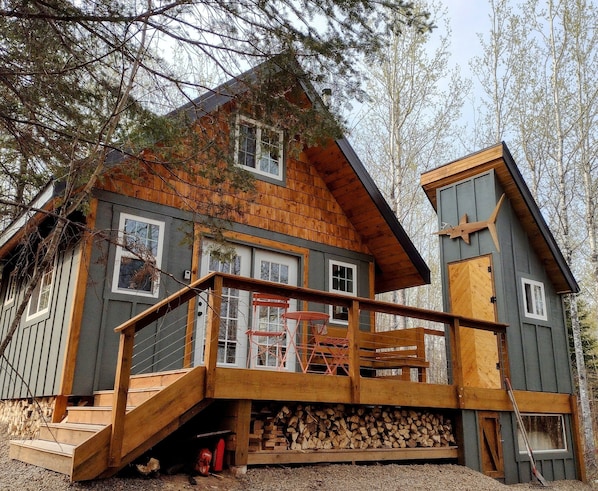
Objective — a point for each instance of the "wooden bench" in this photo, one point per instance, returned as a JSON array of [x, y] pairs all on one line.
[[402, 349]]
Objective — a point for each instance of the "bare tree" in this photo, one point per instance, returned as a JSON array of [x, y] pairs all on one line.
[[408, 127]]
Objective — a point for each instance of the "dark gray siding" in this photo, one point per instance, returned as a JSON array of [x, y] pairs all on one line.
[[553, 466], [161, 345], [538, 350], [105, 310], [35, 355]]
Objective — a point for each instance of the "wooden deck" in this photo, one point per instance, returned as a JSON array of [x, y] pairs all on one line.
[[131, 423]]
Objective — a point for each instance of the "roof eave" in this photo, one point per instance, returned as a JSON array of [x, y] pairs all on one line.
[[540, 222]]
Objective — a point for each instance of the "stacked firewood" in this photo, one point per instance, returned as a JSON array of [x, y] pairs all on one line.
[[315, 427], [25, 416]]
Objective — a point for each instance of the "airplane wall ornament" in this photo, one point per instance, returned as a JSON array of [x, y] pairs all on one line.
[[465, 228]]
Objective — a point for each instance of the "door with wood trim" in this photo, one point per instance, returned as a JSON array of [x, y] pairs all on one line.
[[491, 453], [471, 290]]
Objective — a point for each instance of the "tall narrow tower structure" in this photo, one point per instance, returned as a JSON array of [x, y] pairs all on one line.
[[501, 263]]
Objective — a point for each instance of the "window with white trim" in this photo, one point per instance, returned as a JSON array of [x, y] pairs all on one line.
[[342, 279], [138, 256], [545, 433], [39, 302], [11, 288], [259, 148], [534, 299]]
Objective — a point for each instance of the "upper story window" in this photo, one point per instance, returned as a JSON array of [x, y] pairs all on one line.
[[534, 299], [11, 288], [259, 148], [343, 279], [39, 303], [138, 256]]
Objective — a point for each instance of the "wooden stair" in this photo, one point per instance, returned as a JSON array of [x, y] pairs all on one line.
[[79, 446]]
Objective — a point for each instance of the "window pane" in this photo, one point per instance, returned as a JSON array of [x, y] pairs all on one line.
[[342, 278], [539, 300], [544, 432], [269, 152], [529, 303], [135, 274], [247, 145]]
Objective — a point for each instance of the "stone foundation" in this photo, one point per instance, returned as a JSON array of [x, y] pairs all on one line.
[[23, 417]]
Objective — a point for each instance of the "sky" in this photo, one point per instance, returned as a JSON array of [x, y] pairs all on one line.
[[467, 19]]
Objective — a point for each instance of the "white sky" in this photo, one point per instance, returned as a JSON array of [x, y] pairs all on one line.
[[467, 19]]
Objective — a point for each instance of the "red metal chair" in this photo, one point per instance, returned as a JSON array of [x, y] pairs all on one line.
[[267, 340]]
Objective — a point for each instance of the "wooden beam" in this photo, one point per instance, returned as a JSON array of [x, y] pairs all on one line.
[[578, 441], [379, 455], [353, 335], [271, 385], [455, 347], [242, 422], [121, 392], [76, 318], [212, 333]]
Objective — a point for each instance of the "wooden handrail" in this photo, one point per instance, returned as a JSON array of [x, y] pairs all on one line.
[[215, 282]]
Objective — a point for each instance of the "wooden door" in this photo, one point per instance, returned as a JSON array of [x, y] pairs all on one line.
[[471, 290], [491, 444]]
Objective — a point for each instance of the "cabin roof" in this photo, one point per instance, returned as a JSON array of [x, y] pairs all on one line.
[[499, 159], [398, 263]]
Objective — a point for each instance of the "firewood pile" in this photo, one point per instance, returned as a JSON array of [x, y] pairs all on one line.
[[333, 427]]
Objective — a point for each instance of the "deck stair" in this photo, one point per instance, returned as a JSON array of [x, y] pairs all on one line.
[[79, 445]]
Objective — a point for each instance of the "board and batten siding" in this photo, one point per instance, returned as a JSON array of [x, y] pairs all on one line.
[[538, 349], [105, 310], [35, 356]]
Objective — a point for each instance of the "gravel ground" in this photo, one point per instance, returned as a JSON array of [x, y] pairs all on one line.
[[17, 476]]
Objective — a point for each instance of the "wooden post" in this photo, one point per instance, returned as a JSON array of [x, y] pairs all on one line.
[[354, 368], [242, 423], [455, 336], [76, 316], [212, 332], [121, 392], [578, 444]]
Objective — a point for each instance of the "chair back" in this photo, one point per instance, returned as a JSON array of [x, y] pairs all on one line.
[[268, 300]]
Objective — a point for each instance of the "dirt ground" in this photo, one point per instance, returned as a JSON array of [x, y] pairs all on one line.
[[17, 476]]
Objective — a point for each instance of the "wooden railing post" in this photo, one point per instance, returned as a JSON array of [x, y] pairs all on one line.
[[354, 368], [121, 392], [455, 340], [212, 332]]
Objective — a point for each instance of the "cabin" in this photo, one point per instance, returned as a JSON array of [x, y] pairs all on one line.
[[146, 331]]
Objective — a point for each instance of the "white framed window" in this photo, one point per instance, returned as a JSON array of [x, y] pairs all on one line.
[[39, 303], [534, 299], [138, 256], [342, 279], [545, 432], [11, 288], [259, 148]]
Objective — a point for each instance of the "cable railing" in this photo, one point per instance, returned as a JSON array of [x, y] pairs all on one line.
[[321, 333]]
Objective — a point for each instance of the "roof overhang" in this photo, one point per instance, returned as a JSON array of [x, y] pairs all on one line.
[[398, 263], [499, 159], [33, 215]]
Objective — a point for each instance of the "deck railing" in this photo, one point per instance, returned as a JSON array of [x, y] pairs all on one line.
[[358, 360]]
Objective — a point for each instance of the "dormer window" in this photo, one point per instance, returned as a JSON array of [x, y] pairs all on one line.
[[259, 148]]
